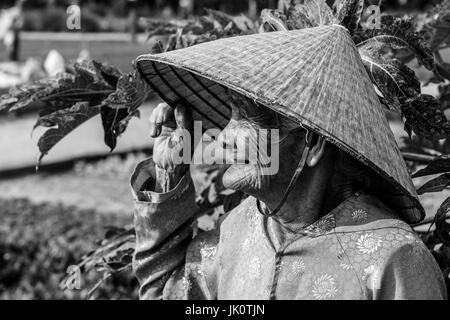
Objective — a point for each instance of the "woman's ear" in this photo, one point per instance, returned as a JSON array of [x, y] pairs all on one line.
[[316, 153]]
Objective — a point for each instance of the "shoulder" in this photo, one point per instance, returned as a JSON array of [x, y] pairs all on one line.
[[364, 211], [383, 249], [367, 227]]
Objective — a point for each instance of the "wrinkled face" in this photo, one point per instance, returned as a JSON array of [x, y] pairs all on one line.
[[253, 126]]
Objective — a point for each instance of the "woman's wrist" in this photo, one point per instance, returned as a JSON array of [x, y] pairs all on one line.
[[167, 179]]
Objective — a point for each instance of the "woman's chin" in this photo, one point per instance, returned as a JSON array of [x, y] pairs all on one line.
[[242, 177]]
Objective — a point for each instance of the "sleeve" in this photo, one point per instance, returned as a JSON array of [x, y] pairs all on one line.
[[168, 262], [410, 273]]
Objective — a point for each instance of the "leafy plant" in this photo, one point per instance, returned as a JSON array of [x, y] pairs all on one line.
[[93, 88], [39, 242], [70, 99]]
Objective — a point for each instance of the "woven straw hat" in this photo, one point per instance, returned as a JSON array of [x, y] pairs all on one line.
[[313, 76]]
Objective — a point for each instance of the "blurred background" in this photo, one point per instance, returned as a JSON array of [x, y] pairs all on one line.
[[50, 218]]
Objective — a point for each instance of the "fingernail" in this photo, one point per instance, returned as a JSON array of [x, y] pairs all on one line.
[[152, 132], [158, 131]]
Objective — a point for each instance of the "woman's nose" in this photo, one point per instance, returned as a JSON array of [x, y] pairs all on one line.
[[228, 140], [228, 135]]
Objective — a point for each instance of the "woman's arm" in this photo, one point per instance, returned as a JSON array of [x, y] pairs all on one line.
[[409, 273], [168, 263]]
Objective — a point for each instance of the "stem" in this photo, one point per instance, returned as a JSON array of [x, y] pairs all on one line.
[[428, 221], [421, 158]]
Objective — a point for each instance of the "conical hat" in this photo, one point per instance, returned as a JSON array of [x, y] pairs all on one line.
[[313, 76]]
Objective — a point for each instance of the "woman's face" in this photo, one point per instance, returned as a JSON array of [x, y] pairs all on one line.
[[248, 124]]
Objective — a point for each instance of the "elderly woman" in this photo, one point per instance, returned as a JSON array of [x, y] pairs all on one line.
[[332, 223]]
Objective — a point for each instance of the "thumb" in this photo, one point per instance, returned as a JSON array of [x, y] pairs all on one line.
[[183, 117]]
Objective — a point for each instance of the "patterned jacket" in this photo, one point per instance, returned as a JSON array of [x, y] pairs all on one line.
[[360, 250]]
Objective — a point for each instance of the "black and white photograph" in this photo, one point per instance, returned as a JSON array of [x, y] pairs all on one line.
[[224, 150]]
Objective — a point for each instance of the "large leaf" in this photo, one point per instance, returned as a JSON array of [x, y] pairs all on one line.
[[166, 27], [85, 83], [131, 92], [27, 96], [439, 26], [65, 121], [110, 73], [424, 116], [72, 98], [240, 24], [310, 13], [442, 226], [122, 105], [115, 122], [112, 124], [349, 14], [213, 23], [297, 18], [273, 19], [436, 185], [444, 92], [221, 17], [440, 165], [442, 69], [114, 255], [397, 34], [87, 74], [393, 79]]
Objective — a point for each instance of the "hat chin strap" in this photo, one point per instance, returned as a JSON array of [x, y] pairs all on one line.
[[298, 171]]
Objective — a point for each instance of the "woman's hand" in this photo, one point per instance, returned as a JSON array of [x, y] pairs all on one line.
[[173, 133]]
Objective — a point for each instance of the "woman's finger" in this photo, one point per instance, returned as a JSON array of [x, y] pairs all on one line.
[[152, 123], [161, 116], [183, 117]]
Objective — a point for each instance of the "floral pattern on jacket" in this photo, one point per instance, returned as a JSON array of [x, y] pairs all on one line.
[[360, 250]]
